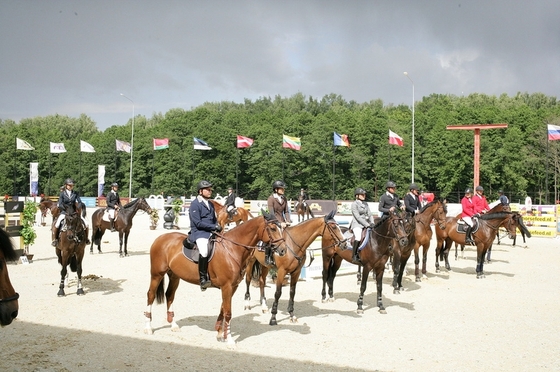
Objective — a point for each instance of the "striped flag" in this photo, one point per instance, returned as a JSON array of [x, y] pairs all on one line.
[[200, 144], [23, 145], [553, 132], [57, 148], [86, 147], [341, 140], [243, 142], [123, 146], [160, 144], [291, 142], [395, 139]]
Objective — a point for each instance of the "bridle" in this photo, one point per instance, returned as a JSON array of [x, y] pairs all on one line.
[[15, 297], [394, 220], [338, 242]]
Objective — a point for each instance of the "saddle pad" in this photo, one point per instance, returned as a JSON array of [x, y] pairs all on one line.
[[192, 254], [106, 217], [462, 227]]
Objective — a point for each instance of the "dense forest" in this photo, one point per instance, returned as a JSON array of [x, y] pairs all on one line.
[[517, 159]]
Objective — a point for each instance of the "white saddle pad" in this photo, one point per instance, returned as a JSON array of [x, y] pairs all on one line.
[[106, 216]]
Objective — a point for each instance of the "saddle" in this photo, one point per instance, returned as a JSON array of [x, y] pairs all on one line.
[[351, 238], [462, 226], [191, 252]]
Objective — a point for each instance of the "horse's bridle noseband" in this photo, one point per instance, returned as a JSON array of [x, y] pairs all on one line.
[[11, 298]]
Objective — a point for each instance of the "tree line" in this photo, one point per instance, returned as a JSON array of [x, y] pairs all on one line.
[[520, 160]]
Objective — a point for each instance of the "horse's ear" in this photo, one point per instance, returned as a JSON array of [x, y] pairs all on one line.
[[330, 216], [265, 214]]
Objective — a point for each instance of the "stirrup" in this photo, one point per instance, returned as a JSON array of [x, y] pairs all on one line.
[[205, 284], [54, 243]]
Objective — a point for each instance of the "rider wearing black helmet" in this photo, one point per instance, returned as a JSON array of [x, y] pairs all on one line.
[[389, 201], [278, 205], [66, 199], [361, 218], [230, 203], [503, 198], [113, 204], [411, 200], [468, 213], [203, 222]]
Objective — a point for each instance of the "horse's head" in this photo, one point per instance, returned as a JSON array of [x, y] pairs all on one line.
[[335, 234], [440, 214], [143, 205], [273, 235], [8, 296], [400, 227], [73, 221]]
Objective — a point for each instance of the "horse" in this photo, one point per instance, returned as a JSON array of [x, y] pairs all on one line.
[[373, 256], [297, 238], [8, 296], [241, 215], [71, 247], [46, 206], [123, 224], [303, 209], [488, 225], [226, 267]]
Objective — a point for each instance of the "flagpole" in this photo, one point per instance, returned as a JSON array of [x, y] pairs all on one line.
[[237, 172], [80, 180], [50, 170], [389, 163], [152, 183], [131, 149], [15, 162], [333, 173], [546, 179]]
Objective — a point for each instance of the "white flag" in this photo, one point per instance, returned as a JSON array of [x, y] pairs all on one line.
[[22, 145], [57, 148], [123, 146], [86, 147]]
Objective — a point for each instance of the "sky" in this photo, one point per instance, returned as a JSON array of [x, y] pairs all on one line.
[[74, 57]]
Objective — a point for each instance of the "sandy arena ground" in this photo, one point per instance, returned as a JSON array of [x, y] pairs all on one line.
[[449, 322]]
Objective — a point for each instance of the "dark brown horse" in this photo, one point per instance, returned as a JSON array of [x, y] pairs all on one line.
[[297, 238], [123, 224], [241, 215], [373, 256], [303, 209], [71, 246], [8, 296], [226, 268], [488, 225]]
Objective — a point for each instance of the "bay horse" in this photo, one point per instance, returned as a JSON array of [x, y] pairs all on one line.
[[298, 238], [488, 225], [71, 246], [123, 224], [226, 267], [373, 256], [46, 206], [9, 305], [303, 209], [241, 215]]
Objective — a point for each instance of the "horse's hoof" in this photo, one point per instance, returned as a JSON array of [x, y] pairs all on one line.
[[382, 311], [100, 252], [323, 300], [359, 311], [121, 255], [148, 331], [331, 299], [273, 322], [90, 252], [396, 291], [80, 292], [418, 280], [126, 255], [175, 328], [61, 293], [438, 271], [359, 282]]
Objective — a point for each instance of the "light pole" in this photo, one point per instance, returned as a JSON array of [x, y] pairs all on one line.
[[131, 147], [406, 74]]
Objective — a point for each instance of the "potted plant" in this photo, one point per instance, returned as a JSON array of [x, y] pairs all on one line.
[[154, 218], [177, 205], [28, 232]]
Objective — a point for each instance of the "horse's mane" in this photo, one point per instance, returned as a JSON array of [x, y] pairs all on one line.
[[381, 221], [131, 204], [491, 216], [6, 246]]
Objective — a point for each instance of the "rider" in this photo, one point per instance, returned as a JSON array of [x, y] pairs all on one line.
[[203, 222], [411, 200], [389, 201], [67, 198], [479, 201], [361, 217], [113, 204], [503, 199], [302, 197], [278, 205], [230, 203], [468, 213]]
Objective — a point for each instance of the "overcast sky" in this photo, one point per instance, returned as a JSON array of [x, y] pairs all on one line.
[[73, 57]]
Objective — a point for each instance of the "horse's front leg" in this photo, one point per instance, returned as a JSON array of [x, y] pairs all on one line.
[[224, 319], [480, 263], [121, 244], [293, 283], [488, 254], [79, 258], [446, 257], [279, 280], [248, 277], [363, 286], [417, 264], [126, 243], [63, 273], [396, 270], [262, 285], [325, 274]]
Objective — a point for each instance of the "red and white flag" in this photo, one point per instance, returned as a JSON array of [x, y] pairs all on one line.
[[243, 142], [395, 139]]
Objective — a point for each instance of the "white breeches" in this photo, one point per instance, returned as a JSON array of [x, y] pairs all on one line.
[[358, 232], [229, 208], [468, 221], [61, 217], [202, 244], [111, 213]]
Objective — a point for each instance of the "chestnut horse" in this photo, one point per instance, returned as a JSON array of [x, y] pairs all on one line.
[[488, 225], [46, 206], [227, 265], [303, 209], [71, 246], [8, 296], [373, 256], [241, 215], [297, 238], [123, 224]]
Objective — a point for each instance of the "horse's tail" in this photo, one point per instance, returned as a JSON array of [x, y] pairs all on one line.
[[96, 236], [310, 211], [73, 263], [256, 271], [84, 211], [159, 292]]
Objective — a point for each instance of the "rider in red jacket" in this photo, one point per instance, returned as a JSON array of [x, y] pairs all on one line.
[[468, 212], [479, 201]]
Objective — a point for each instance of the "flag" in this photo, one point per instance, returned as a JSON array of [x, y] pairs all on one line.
[[291, 142], [100, 179], [341, 140], [395, 139], [22, 145], [553, 132], [123, 146], [86, 147], [33, 179], [160, 144], [243, 142], [200, 144], [57, 148]]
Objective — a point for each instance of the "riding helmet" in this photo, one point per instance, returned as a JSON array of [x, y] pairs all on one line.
[[278, 185], [413, 186], [203, 185], [500, 191], [359, 191], [390, 184], [479, 188], [69, 181], [468, 190], [114, 184]]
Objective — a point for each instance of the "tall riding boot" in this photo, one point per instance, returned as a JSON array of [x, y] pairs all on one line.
[[355, 255], [268, 259], [54, 236], [468, 237], [203, 272], [230, 214], [112, 221]]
